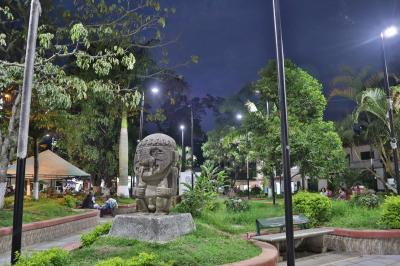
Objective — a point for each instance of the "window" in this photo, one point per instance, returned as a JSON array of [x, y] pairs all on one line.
[[367, 155]]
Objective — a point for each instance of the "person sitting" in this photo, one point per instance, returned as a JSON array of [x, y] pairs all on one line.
[[342, 194], [109, 206], [88, 201]]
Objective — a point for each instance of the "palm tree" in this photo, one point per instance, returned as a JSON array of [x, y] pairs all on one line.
[[373, 104]]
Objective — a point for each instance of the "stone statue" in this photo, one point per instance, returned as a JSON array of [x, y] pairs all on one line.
[[155, 167]]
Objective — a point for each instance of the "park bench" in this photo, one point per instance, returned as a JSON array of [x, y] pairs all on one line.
[[275, 222], [314, 239]]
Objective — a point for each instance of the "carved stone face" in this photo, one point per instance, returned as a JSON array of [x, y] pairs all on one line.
[[154, 157]]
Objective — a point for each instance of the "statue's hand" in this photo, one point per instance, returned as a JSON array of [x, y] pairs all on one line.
[[140, 192], [163, 192]]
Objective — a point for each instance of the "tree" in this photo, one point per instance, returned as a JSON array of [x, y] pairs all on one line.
[[52, 84], [372, 110], [315, 146]]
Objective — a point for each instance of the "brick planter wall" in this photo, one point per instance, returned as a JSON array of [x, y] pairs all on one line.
[[49, 229], [365, 242]]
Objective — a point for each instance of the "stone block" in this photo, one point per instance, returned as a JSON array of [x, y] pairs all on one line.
[[155, 228]]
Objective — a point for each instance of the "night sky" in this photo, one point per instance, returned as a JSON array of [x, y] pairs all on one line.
[[234, 39]]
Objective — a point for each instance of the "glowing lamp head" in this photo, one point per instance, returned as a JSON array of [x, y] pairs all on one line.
[[182, 127], [390, 32], [239, 116], [155, 90]]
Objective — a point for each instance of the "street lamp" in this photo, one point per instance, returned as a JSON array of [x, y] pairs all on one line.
[[388, 33], [280, 67], [182, 128], [154, 90], [239, 117]]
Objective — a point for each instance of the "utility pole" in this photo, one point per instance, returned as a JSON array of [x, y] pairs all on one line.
[[280, 65], [24, 130]]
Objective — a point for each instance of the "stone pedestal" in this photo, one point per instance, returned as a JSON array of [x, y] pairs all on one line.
[[156, 228]]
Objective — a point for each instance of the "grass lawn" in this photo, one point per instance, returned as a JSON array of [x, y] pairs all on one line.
[[345, 216], [206, 246], [242, 222], [34, 211]]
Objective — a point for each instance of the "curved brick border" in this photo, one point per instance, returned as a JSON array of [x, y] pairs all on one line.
[[393, 233], [268, 257], [47, 223]]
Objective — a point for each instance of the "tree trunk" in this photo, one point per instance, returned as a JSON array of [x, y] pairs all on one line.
[[123, 189], [7, 145], [303, 183]]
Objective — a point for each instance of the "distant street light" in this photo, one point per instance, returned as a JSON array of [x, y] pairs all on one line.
[[388, 33], [239, 117], [154, 90], [182, 128]]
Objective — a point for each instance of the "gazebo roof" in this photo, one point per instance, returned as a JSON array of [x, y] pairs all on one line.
[[51, 166]]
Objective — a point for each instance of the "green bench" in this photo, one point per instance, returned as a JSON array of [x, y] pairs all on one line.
[[275, 222]]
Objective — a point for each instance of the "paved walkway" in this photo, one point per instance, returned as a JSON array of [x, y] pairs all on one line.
[[67, 242], [343, 259]]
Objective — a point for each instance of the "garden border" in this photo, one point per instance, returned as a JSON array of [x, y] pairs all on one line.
[[268, 257], [364, 242], [45, 230]]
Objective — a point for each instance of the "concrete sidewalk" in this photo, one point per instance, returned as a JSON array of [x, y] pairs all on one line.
[[67, 242]]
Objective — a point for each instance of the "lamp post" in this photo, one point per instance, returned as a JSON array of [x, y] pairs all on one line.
[[23, 130], [280, 66], [182, 128], [388, 33], [192, 144], [239, 117]]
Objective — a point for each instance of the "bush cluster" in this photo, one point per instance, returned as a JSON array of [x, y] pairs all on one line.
[[237, 205], [368, 200], [70, 201], [51, 257], [8, 202], [317, 208], [89, 238], [391, 213], [143, 259], [204, 194]]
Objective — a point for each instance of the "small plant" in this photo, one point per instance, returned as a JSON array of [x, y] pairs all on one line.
[[368, 200], [51, 257], [70, 201], [143, 259], [89, 238], [317, 208], [8, 202], [391, 213], [237, 205]]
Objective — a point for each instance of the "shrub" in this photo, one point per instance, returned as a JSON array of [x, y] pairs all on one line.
[[8, 202], [237, 205], [391, 213], [89, 238], [368, 200], [143, 259], [204, 194], [70, 201], [256, 190], [51, 257], [317, 208]]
